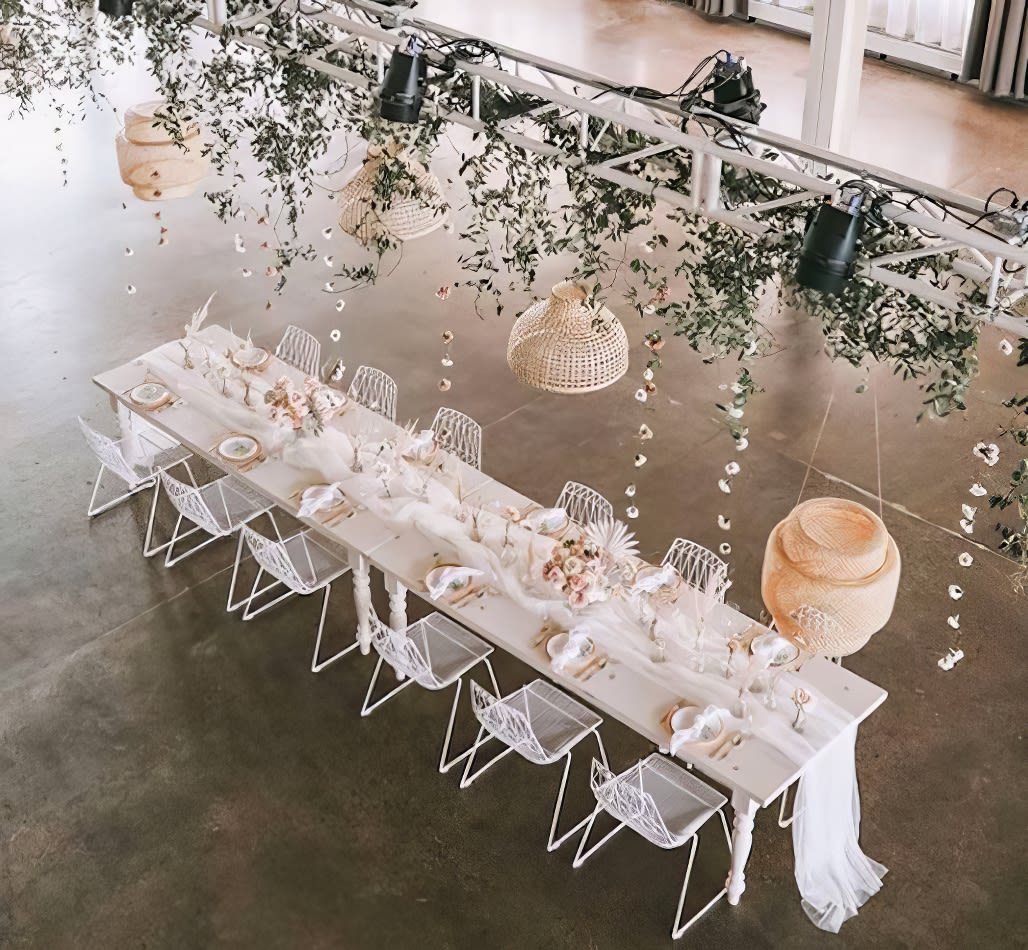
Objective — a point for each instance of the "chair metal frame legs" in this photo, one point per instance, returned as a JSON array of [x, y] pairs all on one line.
[[677, 928], [484, 736], [445, 764], [249, 614], [92, 512]]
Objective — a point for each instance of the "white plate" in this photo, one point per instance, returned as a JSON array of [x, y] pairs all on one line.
[[547, 521], [149, 394], [239, 448], [256, 356]]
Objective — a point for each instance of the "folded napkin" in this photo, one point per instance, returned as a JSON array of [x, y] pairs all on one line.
[[421, 446], [546, 519], [451, 578], [652, 581], [318, 498], [695, 732], [575, 650]]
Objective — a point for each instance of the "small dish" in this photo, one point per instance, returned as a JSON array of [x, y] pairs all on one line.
[[150, 395], [253, 357], [457, 587], [709, 722], [239, 448], [548, 520], [775, 649]]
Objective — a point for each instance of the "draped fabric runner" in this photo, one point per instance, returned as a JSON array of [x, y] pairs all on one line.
[[833, 875]]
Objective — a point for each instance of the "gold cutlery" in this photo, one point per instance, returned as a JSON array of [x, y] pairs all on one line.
[[723, 750], [599, 665]]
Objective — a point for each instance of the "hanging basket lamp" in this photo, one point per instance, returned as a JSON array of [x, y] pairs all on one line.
[[563, 346], [837, 557], [416, 207], [151, 162]]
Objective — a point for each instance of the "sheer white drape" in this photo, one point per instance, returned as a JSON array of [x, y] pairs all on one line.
[[940, 23], [933, 22]]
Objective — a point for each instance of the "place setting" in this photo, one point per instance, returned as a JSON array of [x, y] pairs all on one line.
[[244, 452]]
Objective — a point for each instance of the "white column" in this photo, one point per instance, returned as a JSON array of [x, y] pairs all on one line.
[[745, 809], [833, 82]]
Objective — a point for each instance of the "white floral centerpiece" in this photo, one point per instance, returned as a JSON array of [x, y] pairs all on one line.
[[303, 411]]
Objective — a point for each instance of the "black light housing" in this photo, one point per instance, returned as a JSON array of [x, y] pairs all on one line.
[[827, 258], [734, 93], [399, 99], [116, 9]]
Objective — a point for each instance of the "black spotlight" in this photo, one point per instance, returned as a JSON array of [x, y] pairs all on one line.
[[116, 9], [830, 245], [399, 99], [734, 93]]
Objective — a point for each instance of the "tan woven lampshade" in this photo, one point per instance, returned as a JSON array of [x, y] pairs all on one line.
[[562, 346], [150, 161], [415, 209], [838, 557]]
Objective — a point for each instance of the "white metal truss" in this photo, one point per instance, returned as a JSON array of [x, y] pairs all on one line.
[[585, 96]]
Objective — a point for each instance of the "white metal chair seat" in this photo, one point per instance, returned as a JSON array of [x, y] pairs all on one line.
[[700, 568], [219, 508], [163, 453], [304, 566], [434, 652], [665, 804], [584, 505], [542, 724]]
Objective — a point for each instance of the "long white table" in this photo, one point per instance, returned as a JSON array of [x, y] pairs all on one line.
[[755, 771]]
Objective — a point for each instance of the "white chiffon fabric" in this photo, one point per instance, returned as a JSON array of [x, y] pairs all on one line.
[[833, 874]]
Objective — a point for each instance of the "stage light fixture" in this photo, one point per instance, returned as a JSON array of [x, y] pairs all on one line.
[[734, 94], [116, 9], [399, 99], [827, 258]]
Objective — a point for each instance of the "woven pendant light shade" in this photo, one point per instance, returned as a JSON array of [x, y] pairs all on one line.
[[151, 162], [562, 346], [415, 209], [837, 557]]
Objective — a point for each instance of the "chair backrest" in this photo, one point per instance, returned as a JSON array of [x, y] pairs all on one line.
[[190, 504], [623, 796], [509, 725], [301, 350], [108, 452], [583, 504], [460, 434], [374, 390], [273, 556], [400, 652], [700, 568]]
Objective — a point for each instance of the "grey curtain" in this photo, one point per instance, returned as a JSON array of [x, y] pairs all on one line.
[[719, 7], [997, 48]]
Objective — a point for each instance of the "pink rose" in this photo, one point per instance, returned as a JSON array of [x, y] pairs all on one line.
[[577, 598], [553, 574], [577, 582]]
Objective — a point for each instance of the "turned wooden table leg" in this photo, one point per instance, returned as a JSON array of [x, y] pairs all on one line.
[[397, 604], [745, 809], [362, 598]]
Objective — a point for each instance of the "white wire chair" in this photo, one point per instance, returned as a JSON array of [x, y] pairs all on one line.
[[300, 350], [700, 568], [542, 724], [219, 508], [163, 453], [666, 805], [816, 626], [304, 566], [433, 652], [584, 505], [374, 390], [460, 434]]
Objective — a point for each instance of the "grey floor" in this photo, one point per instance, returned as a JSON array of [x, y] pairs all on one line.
[[173, 778]]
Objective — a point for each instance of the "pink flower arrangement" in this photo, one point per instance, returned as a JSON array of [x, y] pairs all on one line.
[[305, 410], [576, 568]]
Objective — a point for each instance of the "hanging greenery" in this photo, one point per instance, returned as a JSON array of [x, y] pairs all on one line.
[[264, 108]]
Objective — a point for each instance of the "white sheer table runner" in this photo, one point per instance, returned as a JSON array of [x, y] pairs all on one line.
[[833, 874]]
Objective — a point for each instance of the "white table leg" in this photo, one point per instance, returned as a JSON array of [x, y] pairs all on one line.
[[397, 604], [745, 809], [362, 598]]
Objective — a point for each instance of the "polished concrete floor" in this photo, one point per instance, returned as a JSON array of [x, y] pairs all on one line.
[[174, 778]]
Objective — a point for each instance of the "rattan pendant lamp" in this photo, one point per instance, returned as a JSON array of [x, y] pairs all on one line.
[[563, 346], [417, 206]]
